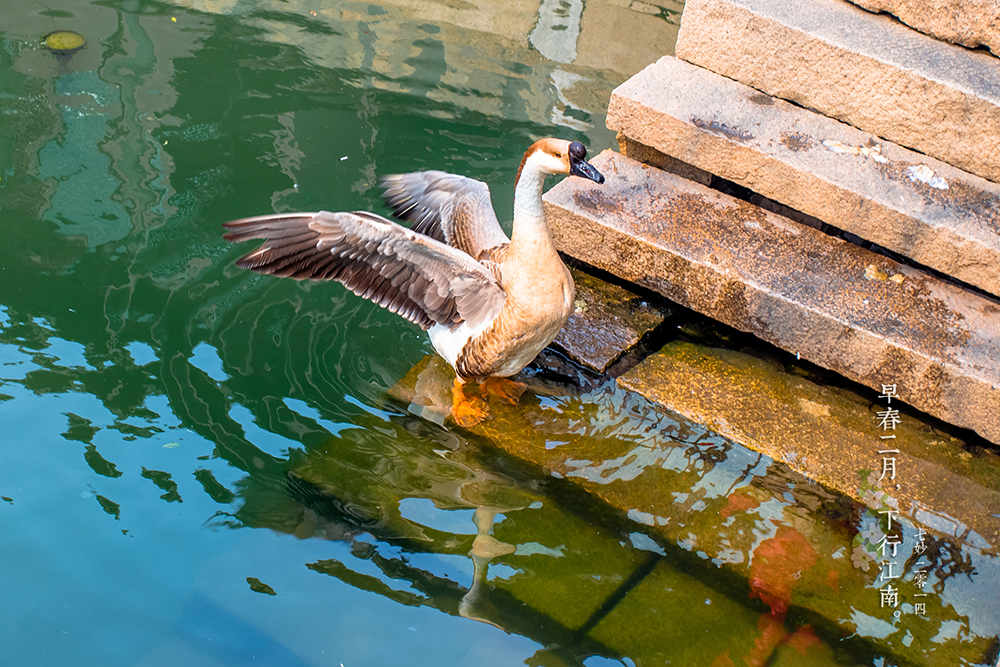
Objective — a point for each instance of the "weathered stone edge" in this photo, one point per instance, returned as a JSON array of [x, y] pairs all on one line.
[[971, 23], [608, 324], [827, 445]]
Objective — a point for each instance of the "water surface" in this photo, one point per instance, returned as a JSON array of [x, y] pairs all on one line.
[[202, 466]]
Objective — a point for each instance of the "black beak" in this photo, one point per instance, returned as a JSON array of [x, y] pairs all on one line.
[[582, 168]]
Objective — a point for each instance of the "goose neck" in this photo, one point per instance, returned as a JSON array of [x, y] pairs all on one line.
[[528, 192]]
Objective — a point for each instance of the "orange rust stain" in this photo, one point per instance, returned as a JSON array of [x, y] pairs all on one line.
[[772, 632], [833, 581], [776, 564]]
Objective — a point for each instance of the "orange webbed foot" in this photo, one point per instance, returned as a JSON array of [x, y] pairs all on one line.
[[503, 388], [466, 410]]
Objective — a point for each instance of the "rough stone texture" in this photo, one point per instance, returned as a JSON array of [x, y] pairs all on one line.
[[838, 305], [866, 70], [826, 433], [646, 154], [608, 322], [917, 206], [970, 23], [744, 526], [553, 585]]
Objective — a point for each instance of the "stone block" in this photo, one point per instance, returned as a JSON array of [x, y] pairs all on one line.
[[970, 23], [939, 216], [609, 321], [838, 305], [864, 69], [543, 548], [552, 548], [677, 603]]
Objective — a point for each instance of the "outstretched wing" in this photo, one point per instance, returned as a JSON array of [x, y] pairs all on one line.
[[421, 279], [453, 209]]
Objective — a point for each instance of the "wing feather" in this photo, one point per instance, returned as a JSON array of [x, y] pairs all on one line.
[[452, 209], [417, 277]]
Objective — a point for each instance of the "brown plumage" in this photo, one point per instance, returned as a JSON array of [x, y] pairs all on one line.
[[423, 280]]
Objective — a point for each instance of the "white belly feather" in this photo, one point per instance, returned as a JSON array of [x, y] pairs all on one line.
[[449, 342]]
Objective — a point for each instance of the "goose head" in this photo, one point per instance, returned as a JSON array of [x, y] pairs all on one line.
[[558, 156]]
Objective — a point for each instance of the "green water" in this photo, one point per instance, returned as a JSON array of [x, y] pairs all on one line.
[[201, 466]]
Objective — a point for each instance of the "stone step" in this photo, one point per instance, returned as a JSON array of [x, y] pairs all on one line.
[[607, 325], [939, 216], [864, 69], [838, 305], [970, 23]]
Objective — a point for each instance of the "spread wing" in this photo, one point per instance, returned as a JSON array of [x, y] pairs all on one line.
[[453, 209], [421, 279]]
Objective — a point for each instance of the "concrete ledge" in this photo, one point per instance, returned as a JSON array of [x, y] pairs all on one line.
[[917, 206], [840, 306], [863, 69], [970, 23]]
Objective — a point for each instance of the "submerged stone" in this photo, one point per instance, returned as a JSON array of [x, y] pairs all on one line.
[[539, 570], [784, 560], [653, 624], [566, 567], [830, 435]]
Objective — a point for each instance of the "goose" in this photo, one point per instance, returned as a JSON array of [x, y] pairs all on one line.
[[489, 303]]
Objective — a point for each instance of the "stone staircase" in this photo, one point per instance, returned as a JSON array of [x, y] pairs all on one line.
[[846, 121]]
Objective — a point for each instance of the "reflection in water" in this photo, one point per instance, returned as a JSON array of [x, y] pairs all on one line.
[[82, 171], [157, 402], [484, 549], [557, 29]]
